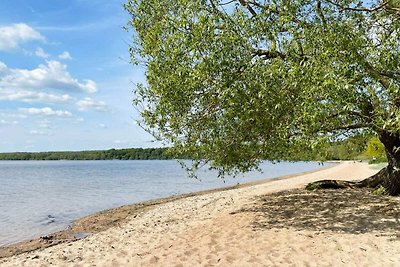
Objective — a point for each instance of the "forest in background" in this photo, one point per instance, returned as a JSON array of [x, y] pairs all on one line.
[[111, 154], [353, 148]]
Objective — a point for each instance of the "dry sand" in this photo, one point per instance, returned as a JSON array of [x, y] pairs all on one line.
[[274, 223]]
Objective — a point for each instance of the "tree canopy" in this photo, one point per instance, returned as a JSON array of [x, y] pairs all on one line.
[[238, 81]]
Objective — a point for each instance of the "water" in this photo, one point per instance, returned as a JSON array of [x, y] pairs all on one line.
[[41, 197]]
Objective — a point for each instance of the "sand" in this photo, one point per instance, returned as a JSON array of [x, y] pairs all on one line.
[[274, 223]]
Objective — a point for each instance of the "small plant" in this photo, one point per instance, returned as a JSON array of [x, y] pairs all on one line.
[[313, 187], [379, 191]]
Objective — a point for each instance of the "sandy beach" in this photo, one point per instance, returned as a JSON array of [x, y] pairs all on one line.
[[274, 223]]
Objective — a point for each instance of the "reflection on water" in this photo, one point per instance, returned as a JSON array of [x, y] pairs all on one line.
[[40, 197]]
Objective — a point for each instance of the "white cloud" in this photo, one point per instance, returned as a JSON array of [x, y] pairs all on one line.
[[89, 87], [44, 125], [3, 67], [12, 115], [31, 97], [65, 55], [46, 111], [102, 125], [15, 34], [8, 122], [35, 132], [28, 85], [121, 142], [41, 53], [89, 104]]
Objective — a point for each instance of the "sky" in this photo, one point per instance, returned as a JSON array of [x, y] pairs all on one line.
[[65, 78]]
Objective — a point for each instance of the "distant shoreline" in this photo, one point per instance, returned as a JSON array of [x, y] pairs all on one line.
[[110, 154]]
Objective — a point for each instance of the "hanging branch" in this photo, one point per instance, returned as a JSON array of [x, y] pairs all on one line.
[[359, 9]]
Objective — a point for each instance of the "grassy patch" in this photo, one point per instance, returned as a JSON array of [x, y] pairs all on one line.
[[313, 187], [378, 160], [379, 191]]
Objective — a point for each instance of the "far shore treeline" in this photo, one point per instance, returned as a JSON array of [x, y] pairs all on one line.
[[111, 154], [359, 147]]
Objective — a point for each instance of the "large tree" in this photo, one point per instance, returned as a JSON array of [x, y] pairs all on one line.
[[234, 82]]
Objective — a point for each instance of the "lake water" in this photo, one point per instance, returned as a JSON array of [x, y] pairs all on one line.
[[41, 197]]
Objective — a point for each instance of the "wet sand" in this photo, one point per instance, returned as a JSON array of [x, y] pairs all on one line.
[[274, 223]]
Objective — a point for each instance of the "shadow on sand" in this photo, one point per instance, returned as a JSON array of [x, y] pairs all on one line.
[[352, 211]]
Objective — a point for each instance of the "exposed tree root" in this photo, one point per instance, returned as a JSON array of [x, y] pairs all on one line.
[[380, 179], [330, 184]]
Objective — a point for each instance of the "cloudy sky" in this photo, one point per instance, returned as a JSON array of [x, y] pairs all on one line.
[[65, 80]]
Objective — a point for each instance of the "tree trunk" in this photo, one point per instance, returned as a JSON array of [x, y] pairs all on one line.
[[388, 177]]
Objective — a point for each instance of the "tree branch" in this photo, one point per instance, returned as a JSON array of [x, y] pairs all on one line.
[[391, 74], [351, 113], [227, 3], [352, 126], [245, 3], [359, 9], [268, 54], [226, 17], [319, 12], [377, 75]]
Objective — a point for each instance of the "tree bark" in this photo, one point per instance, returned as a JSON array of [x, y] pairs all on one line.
[[388, 177]]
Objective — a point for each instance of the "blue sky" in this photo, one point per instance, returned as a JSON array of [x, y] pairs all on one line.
[[65, 80]]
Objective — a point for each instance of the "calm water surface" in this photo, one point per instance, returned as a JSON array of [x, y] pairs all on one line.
[[40, 197]]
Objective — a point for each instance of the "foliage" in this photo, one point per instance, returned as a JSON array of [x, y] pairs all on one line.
[[347, 149], [379, 191], [375, 149], [378, 161], [351, 148], [119, 154], [236, 82], [312, 187]]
